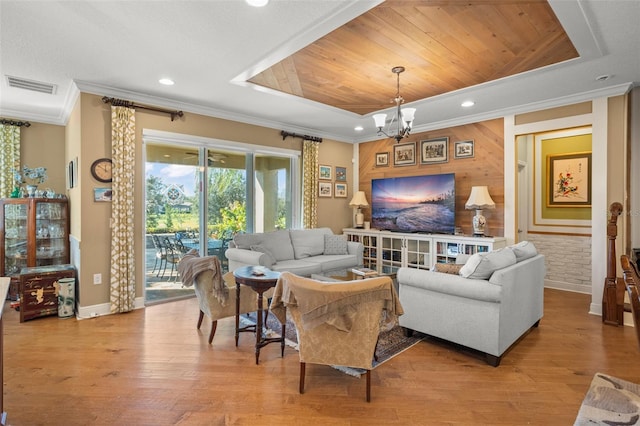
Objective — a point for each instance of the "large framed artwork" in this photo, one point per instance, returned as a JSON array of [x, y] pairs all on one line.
[[434, 151], [404, 154], [569, 180]]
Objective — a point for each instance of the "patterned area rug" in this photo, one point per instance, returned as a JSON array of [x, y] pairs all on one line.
[[610, 401], [390, 343]]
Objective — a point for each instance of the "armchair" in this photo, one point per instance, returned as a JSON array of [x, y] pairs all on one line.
[[213, 308], [336, 323], [216, 293]]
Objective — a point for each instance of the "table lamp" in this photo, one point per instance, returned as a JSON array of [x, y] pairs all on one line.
[[479, 200], [359, 200]]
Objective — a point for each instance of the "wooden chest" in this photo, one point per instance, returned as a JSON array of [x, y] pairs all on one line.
[[39, 290]]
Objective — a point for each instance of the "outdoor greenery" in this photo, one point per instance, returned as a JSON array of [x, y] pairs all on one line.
[[226, 209]]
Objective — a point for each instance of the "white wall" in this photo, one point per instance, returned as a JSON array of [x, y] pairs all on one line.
[[597, 119]]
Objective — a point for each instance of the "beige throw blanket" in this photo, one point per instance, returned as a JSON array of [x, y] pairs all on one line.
[[332, 303], [191, 265]]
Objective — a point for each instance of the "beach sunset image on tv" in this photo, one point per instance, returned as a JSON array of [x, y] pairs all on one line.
[[414, 204]]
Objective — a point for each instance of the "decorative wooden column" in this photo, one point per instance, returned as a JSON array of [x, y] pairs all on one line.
[[613, 293]]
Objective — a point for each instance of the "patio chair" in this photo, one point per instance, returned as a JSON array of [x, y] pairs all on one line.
[[161, 254], [173, 256]]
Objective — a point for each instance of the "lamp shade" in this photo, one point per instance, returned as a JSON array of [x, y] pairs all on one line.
[[407, 116], [359, 200], [380, 119], [480, 199]]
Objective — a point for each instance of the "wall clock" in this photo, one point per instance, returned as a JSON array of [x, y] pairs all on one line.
[[101, 170]]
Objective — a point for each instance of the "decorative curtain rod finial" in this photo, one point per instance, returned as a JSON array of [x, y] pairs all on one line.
[[286, 134], [129, 104], [15, 123]]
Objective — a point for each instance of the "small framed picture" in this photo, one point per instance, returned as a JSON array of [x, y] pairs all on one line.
[[382, 159], [404, 154], [463, 149], [324, 172], [434, 151], [341, 190], [102, 194], [341, 174], [324, 189]]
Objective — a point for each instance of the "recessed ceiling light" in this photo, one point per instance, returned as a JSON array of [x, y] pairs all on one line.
[[604, 77], [467, 104], [358, 128], [166, 81], [257, 3]]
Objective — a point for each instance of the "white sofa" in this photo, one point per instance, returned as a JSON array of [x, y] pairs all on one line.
[[488, 310], [299, 251]]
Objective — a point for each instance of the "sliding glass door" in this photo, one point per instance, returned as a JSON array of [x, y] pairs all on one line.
[[273, 193], [199, 197], [172, 211]]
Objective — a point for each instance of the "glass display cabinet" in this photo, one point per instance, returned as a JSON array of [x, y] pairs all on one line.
[[33, 232]]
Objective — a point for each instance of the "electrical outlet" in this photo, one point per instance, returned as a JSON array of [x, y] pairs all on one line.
[[97, 278]]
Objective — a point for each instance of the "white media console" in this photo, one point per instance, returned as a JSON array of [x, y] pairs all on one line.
[[387, 251]]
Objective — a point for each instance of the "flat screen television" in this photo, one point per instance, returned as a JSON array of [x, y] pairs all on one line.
[[414, 204]]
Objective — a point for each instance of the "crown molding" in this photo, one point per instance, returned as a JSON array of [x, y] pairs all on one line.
[[620, 89]]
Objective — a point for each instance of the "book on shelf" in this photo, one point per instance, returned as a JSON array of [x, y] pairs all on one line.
[[365, 272]]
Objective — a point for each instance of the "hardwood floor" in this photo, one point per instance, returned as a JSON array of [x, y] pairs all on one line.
[[151, 367]]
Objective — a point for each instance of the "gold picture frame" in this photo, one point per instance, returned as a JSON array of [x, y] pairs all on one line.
[[404, 154], [569, 180], [382, 159]]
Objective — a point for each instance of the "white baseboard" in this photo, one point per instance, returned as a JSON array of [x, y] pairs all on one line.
[[87, 312], [559, 285]]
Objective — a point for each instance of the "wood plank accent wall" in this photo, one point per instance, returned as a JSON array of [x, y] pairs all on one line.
[[485, 168]]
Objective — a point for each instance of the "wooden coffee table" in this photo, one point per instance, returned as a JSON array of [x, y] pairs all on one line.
[[344, 274], [260, 279]]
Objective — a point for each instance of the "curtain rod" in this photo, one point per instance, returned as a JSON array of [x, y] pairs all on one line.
[[15, 123], [129, 104], [285, 134]]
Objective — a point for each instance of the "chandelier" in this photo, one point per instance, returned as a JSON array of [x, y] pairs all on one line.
[[403, 116]]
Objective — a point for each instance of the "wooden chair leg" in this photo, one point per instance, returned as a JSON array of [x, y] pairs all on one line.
[[200, 318], [302, 372], [214, 325], [368, 385]]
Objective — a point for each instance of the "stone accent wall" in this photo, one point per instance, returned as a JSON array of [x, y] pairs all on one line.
[[568, 261]]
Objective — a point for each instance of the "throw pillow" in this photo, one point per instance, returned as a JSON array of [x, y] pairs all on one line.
[[447, 268], [524, 250], [481, 266], [262, 249], [335, 244], [308, 242]]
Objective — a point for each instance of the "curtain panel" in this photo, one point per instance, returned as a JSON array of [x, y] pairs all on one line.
[[123, 137], [310, 184], [9, 158]]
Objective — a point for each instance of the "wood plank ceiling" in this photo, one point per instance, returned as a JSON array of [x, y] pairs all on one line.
[[444, 46]]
